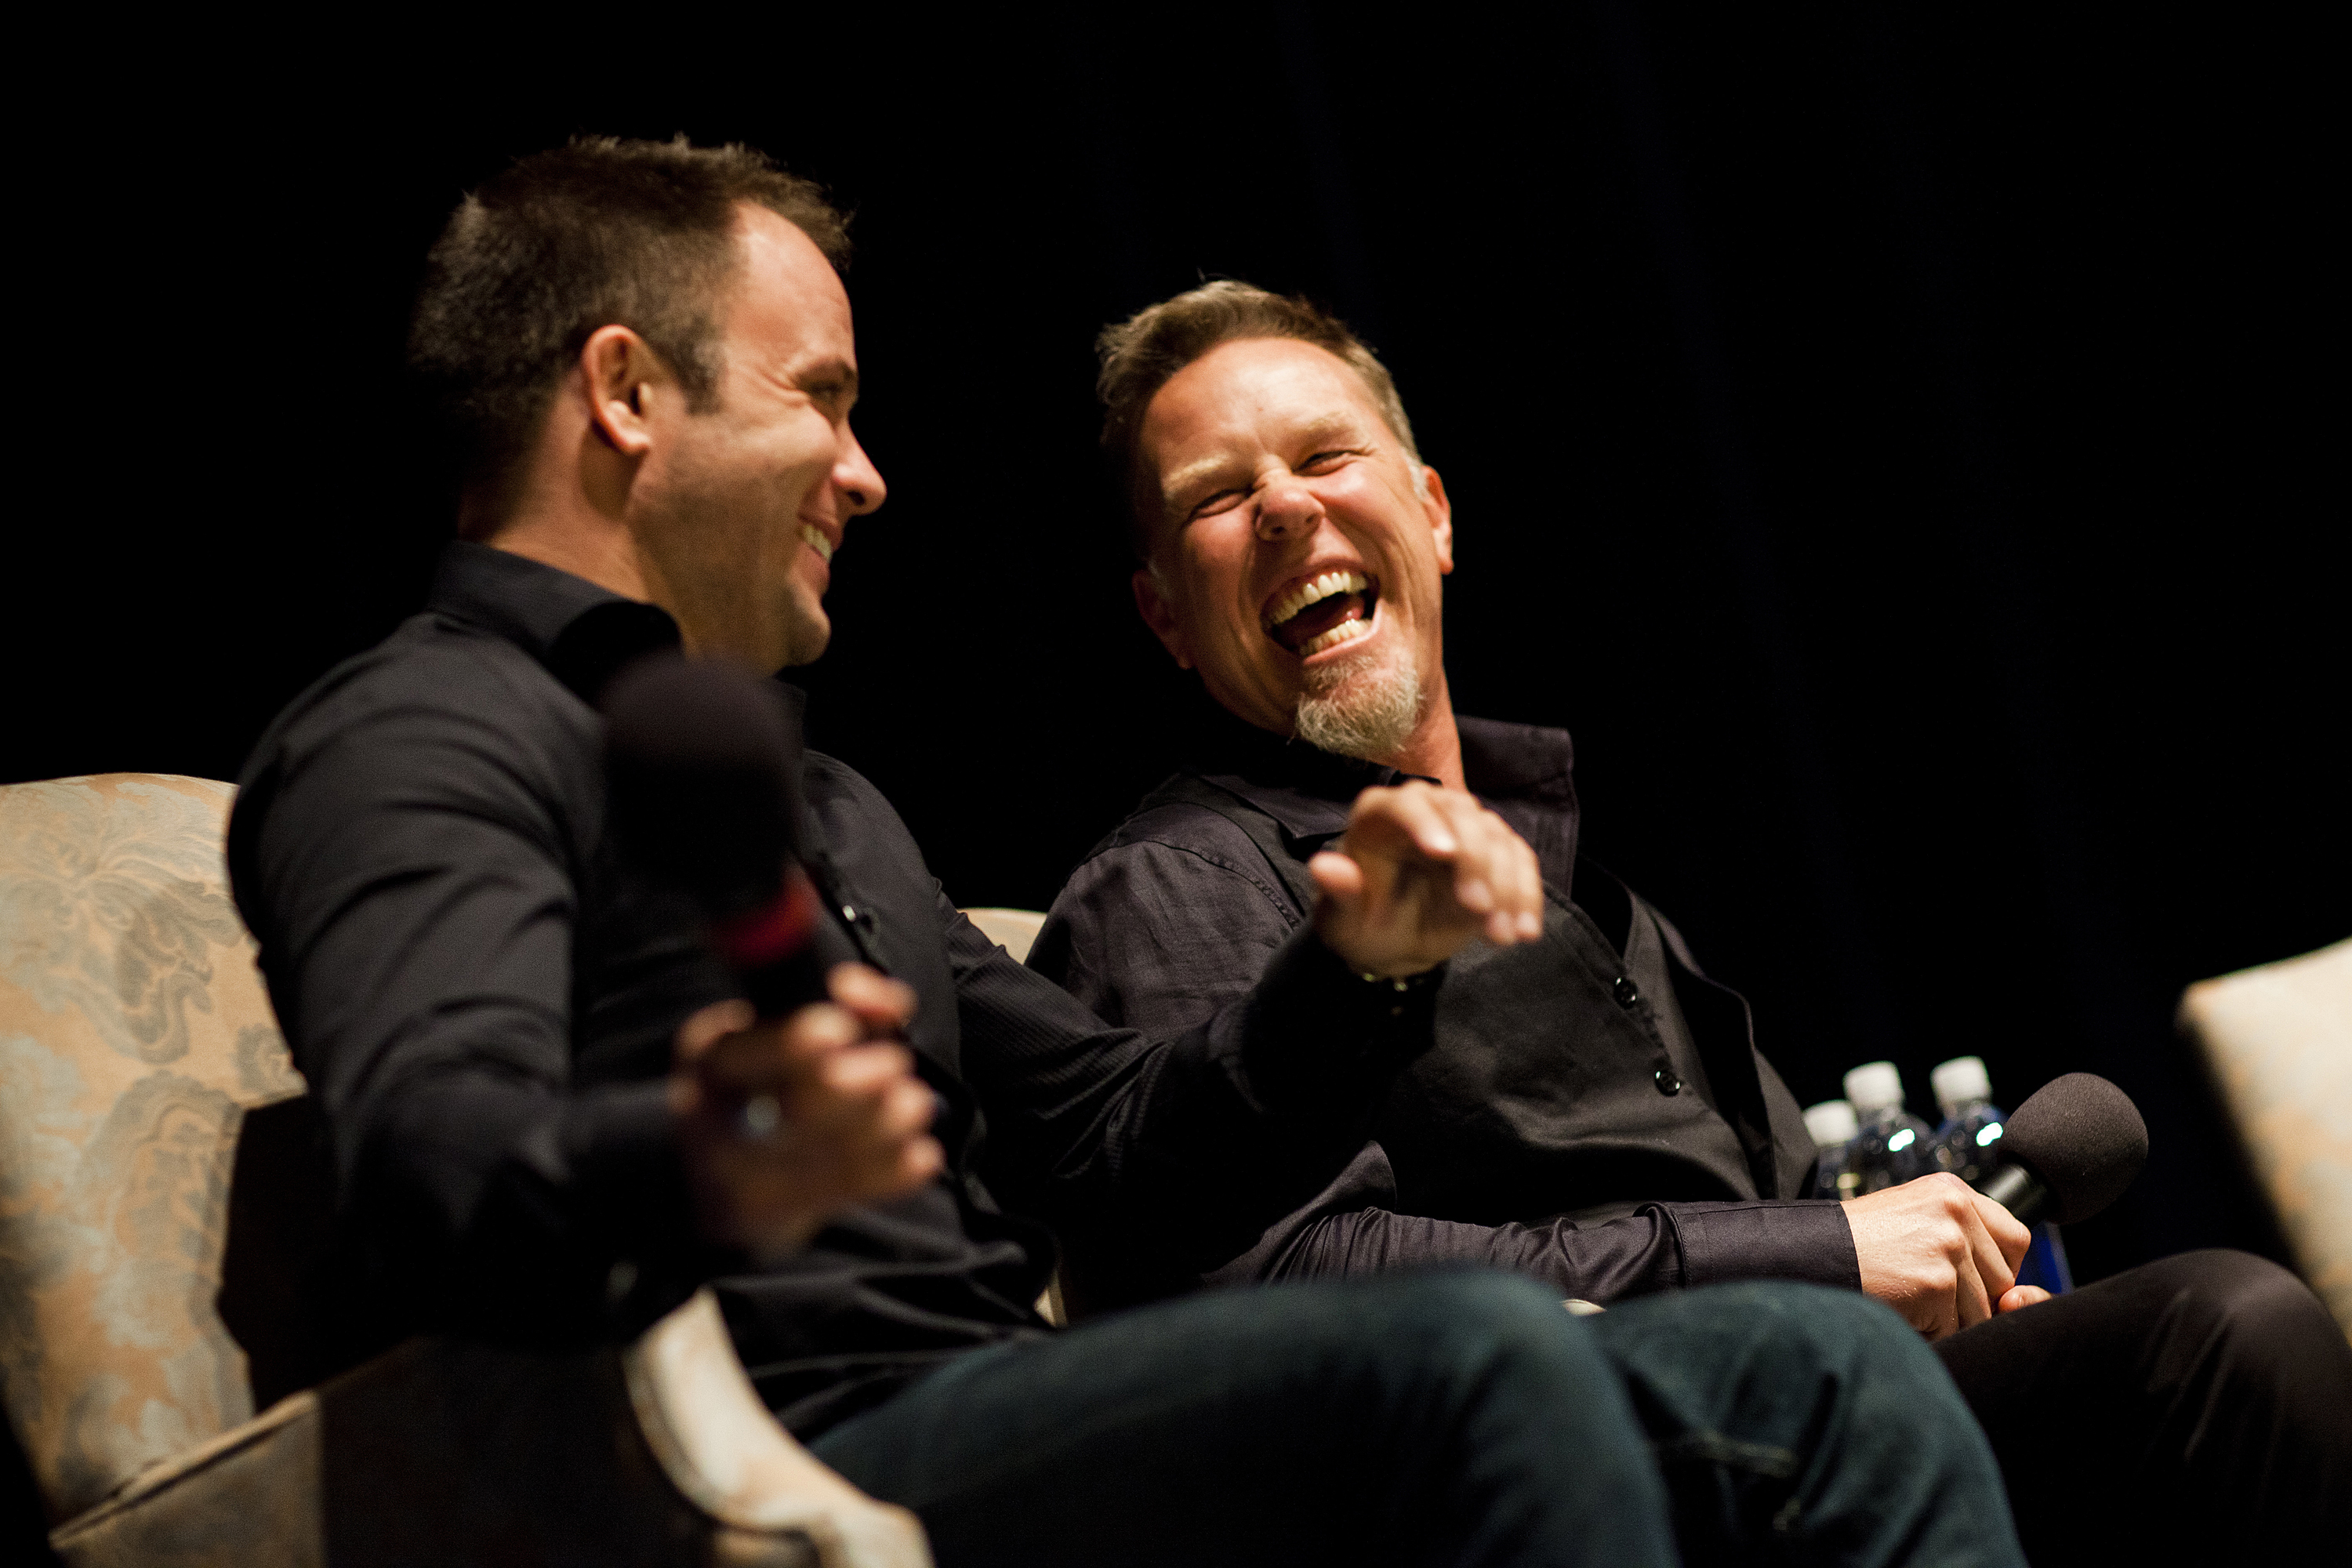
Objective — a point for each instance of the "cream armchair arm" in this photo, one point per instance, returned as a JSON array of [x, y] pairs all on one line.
[[448, 1453], [724, 1453]]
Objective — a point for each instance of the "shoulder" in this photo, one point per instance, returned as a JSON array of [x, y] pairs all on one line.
[[1171, 861], [1170, 838], [431, 677], [438, 717]]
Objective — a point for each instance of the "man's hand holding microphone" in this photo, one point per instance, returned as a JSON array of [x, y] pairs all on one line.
[[786, 1121]]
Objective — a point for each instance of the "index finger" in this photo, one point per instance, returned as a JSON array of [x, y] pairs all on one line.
[[1410, 809], [1496, 852], [882, 1005], [705, 1025], [2010, 1234], [1995, 1264]]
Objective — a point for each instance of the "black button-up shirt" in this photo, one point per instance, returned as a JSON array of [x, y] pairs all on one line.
[[483, 998], [1594, 1113]]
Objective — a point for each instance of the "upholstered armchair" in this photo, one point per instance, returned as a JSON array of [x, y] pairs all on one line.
[[2278, 1042], [135, 1038]]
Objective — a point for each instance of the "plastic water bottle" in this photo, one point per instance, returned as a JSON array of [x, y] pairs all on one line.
[[1969, 1142], [1968, 1145], [1833, 1127], [1892, 1146]]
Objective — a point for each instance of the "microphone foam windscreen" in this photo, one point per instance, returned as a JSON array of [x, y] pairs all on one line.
[[2083, 1137], [703, 763]]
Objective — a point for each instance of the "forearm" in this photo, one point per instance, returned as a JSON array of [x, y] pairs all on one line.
[[496, 1206], [1661, 1246], [1204, 1138]]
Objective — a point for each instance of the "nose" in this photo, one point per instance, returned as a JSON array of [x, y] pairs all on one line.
[[857, 481], [1288, 509]]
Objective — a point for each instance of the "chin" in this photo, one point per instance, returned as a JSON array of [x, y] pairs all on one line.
[[805, 639]]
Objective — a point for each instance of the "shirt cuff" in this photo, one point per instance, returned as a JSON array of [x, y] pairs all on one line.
[[1806, 1239]]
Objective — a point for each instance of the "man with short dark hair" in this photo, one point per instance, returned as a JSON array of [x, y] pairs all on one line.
[[1594, 1113], [536, 1079]]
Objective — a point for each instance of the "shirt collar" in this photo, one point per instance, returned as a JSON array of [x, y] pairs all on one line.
[[1307, 790], [581, 633]]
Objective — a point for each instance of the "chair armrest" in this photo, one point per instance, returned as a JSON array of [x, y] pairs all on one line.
[[725, 1454], [446, 1452]]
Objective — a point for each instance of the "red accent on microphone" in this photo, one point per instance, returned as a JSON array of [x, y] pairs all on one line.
[[774, 931]]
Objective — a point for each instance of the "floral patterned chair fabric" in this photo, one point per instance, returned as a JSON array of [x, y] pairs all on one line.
[[134, 1034]]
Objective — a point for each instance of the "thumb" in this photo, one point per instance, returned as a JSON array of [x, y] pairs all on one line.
[[1338, 875]]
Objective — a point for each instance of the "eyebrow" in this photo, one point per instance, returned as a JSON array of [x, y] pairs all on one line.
[[832, 367]]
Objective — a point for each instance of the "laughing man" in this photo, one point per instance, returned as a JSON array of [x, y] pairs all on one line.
[[1594, 1112]]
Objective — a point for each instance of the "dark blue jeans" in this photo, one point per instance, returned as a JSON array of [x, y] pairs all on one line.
[[1456, 1419]]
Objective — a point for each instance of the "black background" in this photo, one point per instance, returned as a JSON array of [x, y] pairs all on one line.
[[1905, 450]]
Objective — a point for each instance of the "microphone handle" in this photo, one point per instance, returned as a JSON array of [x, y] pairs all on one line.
[[769, 949], [2019, 1191], [783, 985]]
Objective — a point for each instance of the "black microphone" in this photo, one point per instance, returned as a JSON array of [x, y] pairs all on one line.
[[2068, 1152], [702, 767]]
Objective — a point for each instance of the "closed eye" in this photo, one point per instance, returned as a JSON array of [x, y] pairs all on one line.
[[1222, 500]]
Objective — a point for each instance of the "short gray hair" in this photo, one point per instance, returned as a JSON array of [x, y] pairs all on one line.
[[1140, 353]]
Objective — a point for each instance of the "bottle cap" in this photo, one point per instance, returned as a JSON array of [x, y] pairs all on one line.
[[1831, 1123], [1960, 1081], [1874, 1086]]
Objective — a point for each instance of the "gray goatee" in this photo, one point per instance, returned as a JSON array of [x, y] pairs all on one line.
[[1364, 708]]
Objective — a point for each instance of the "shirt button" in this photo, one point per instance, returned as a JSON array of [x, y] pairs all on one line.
[[1669, 1082], [1626, 991]]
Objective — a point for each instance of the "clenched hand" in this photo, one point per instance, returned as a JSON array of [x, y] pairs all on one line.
[[1419, 871], [786, 1123], [1940, 1253]]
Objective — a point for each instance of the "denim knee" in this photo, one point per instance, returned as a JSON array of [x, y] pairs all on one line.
[[1492, 1312]]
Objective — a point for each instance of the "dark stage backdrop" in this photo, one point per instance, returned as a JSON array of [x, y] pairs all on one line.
[[1905, 450]]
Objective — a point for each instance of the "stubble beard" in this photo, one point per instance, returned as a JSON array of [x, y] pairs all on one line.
[[1366, 707]]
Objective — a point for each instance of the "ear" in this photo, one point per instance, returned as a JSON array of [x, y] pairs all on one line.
[[1440, 512], [1153, 606], [621, 374]]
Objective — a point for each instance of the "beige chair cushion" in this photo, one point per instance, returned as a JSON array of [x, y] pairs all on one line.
[[2279, 1041], [134, 1032]]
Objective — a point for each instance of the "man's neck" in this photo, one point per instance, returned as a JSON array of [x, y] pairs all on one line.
[[1435, 748], [567, 510]]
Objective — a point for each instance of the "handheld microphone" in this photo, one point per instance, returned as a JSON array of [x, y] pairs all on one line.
[[702, 767], [2068, 1152]]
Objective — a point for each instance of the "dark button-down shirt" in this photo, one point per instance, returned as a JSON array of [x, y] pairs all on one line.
[[1594, 1113], [483, 997]]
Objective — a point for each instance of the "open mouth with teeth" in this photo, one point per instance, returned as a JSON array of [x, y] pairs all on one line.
[[1328, 609], [815, 540]]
